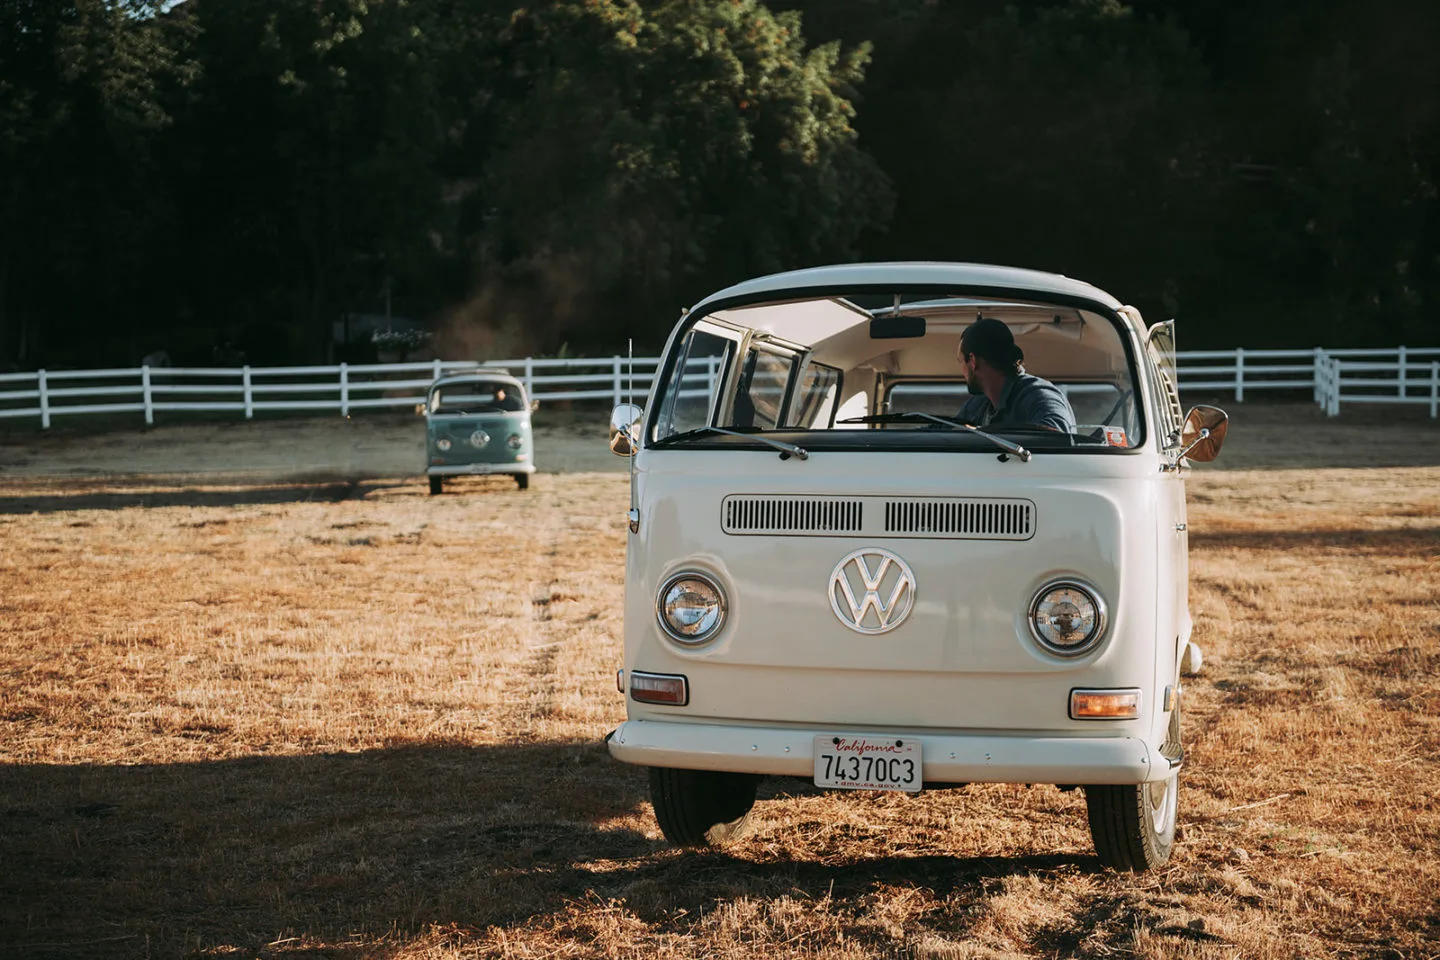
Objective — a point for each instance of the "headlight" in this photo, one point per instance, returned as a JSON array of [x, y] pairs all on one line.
[[691, 608], [479, 438], [1067, 617], [443, 443], [514, 441]]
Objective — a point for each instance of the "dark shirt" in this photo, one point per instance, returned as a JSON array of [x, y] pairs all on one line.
[[1025, 401]]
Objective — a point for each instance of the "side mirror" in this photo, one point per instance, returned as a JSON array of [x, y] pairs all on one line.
[[625, 430], [534, 405], [1203, 433]]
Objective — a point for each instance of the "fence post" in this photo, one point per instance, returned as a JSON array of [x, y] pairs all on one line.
[[1332, 386], [1239, 374], [41, 385], [529, 376], [1434, 389], [615, 381], [345, 390], [145, 392], [249, 396], [1322, 380], [1402, 373]]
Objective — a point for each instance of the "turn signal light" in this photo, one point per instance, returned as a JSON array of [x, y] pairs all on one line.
[[671, 690], [1104, 704]]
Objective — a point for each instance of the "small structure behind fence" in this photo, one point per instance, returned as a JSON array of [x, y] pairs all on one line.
[[1332, 378]]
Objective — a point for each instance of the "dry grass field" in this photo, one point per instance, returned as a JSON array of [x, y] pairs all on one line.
[[263, 697]]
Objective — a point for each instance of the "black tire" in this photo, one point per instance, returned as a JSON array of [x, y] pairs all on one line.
[[522, 480], [701, 808], [436, 485], [1133, 825]]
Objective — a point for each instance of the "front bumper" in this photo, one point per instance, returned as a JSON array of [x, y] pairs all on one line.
[[470, 469], [947, 758]]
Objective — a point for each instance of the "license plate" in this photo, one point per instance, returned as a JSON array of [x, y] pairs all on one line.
[[868, 763]]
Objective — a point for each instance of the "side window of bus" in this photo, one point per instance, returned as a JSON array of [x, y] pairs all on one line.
[[942, 398], [816, 397], [760, 392], [689, 396]]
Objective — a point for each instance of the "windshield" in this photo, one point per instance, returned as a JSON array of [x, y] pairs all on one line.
[[912, 371], [477, 396]]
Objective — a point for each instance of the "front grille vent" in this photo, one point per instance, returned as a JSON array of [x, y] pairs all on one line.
[[798, 516], [986, 519], [946, 518]]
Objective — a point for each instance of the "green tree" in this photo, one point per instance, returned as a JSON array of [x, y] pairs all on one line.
[[647, 152], [307, 153], [81, 199], [1343, 149], [1069, 135], [1267, 170]]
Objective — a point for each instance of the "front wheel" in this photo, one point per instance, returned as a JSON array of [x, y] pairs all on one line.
[[436, 485], [1133, 825], [522, 480], [701, 808]]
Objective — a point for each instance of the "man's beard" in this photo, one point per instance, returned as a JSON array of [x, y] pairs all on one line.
[[972, 383]]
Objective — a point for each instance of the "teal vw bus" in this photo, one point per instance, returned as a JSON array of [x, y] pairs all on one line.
[[478, 422]]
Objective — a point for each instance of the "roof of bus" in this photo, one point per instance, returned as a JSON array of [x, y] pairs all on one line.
[[933, 276], [479, 373]]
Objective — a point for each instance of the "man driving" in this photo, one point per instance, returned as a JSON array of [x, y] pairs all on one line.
[[1002, 393]]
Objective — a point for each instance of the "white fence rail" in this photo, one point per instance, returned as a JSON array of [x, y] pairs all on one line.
[[1332, 377], [344, 388], [1357, 380]]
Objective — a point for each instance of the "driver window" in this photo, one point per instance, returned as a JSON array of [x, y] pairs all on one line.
[[691, 388]]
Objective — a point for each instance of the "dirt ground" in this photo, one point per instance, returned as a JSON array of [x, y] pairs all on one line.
[[320, 448], [1261, 436], [261, 696]]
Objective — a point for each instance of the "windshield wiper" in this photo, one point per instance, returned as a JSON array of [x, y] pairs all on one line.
[[787, 450], [913, 415]]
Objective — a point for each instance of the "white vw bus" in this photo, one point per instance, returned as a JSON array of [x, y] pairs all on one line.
[[829, 576]]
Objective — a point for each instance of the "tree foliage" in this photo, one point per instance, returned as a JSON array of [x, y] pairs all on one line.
[[645, 152], [81, 198], [227, 177], [1264, 171]]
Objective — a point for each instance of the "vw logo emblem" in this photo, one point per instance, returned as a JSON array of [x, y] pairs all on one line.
[[872, 591]]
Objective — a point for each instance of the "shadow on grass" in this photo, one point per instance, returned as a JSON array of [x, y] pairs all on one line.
[[146, 492], [262, 856], [120, 861], [1399, 541]]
